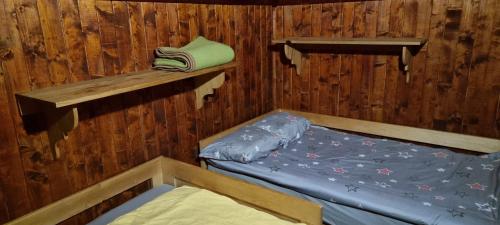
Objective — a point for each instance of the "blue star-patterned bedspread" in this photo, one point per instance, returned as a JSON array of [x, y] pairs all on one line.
[[406, 181]]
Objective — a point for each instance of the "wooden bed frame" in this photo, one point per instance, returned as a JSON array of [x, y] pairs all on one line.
[[440, 138], [168, 171], [426, 136]]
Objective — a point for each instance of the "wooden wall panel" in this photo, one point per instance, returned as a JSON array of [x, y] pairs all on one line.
[[63, 41], [454, 83], [455, 79]]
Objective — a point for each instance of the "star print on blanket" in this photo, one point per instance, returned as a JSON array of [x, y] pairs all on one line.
[[384, 171], [477, 186], [413, 183]]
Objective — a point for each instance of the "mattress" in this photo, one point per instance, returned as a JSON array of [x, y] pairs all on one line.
[[196, 206], [413, 183], [132, 204]]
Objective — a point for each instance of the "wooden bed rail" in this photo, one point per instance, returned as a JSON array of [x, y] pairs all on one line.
[[281, 205], [163, 170], [427, 136]]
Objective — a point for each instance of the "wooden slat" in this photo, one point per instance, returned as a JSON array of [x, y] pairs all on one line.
[[277, 65], [346, 61], [357, 76], [14, 188], [481, 96], [75, 93], [288, 72], [53, 39], [393, 74], [418, 11], [304, 79], [371, 8], [380, 66]]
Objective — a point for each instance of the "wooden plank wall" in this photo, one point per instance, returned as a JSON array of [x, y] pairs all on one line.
[[455, 82], [53, 42]]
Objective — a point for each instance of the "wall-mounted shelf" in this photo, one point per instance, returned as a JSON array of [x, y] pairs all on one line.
[[59, 103], [409, 47]]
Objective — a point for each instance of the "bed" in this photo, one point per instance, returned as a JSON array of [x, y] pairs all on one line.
[[363, 179], [165, 174]]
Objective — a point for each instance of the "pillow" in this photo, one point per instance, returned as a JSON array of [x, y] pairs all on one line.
[[245, 145], [288, 127]]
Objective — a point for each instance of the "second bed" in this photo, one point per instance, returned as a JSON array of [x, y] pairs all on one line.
[[360, 179]]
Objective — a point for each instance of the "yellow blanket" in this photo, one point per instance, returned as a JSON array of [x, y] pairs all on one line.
[[188, 205]]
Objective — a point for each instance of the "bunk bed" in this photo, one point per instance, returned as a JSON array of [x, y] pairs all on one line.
[[406, 176], [165, 174]]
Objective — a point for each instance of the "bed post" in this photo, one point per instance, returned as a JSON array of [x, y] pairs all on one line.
[[157, 178], [203, 164]]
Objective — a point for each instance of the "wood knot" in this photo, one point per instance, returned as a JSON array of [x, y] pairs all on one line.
[[6, 54], [37, 176], [36, 157]]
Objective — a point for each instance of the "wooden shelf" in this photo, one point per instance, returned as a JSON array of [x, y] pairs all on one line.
[[75, 93], [59, 103], [352, 41], [409, 47]]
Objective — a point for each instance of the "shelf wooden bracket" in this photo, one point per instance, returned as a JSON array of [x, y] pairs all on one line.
[[60, 122], [406, 58], [295, 57], [205, 86]]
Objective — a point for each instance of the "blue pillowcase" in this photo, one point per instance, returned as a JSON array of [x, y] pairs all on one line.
[[257, 140], [245, 145], [288, 127]]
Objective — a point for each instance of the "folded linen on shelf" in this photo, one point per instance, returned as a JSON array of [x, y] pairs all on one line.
[[198, 54]]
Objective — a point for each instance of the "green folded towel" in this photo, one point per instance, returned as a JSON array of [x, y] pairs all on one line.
[[199, 54]]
